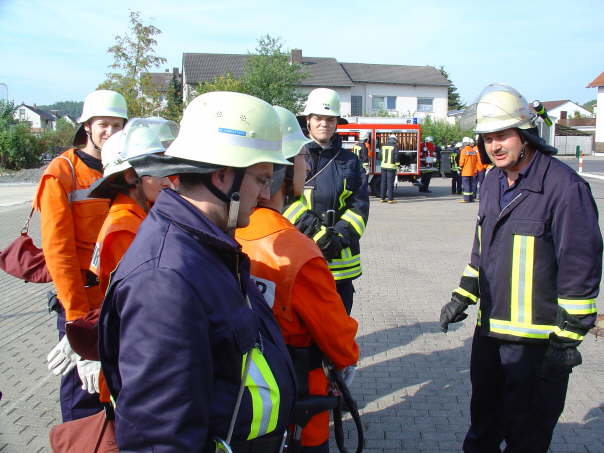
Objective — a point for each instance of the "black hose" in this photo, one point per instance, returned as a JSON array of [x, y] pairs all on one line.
[[337, 414]]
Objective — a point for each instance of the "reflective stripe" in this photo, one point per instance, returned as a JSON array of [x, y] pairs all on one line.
[[294, 211], [355, 220], [479, 317], [467, 193], [307, 194], [469, 271], [347, 260], [388, 157], [356, 149], [264, 393], [465, 293], [479, 239], [520, 330], [344, 196], [522, 279], [344, 274], [319, 234], [79, 195], [568, 334], [578, 306], [245, 140]]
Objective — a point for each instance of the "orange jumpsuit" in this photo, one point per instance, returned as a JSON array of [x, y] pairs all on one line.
[[303, 295], [69, 224], [469, 161], [117, 233]]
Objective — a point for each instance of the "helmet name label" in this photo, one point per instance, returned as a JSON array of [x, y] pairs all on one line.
[[232, 131]]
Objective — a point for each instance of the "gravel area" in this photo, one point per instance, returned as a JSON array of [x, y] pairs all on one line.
[[28, 175]]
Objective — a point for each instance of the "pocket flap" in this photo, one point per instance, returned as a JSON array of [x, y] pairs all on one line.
[[528, 227]]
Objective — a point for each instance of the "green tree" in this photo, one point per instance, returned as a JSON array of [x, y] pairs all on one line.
[[222, 83], [71, 108], [133, 57], [269, 75], [173, 109], [590, 105], [443, 132], [455, 102]]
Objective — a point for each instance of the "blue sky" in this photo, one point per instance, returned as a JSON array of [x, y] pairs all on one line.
[[548, 50]]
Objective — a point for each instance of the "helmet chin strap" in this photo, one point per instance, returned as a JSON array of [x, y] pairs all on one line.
[[92, 141], [232, 199]]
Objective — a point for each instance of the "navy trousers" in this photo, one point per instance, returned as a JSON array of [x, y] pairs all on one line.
[[511, 399], [387, 184], [456, 183], [468, 184], [75, 402], [346, 292]]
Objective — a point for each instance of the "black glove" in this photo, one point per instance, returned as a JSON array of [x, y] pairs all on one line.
[[561, 354], [452, 312], [309, 224], [331, 244]]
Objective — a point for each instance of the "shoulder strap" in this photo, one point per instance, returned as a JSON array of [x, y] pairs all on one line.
[[324, 167], [73, 176]]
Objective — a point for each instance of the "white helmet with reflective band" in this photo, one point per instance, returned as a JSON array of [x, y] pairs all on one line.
[[140, 137], [229, 129], [323, 101], [501, 107], [466, 140], [292, 138]]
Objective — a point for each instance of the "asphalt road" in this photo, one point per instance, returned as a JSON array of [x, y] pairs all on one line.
[[413, 381]]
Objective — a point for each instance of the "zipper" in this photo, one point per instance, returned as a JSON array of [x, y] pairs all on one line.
[[508, 205]]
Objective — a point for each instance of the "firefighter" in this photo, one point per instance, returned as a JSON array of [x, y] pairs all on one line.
[[362, 152], [537, 299], [336, 181], [469, 163], [482, 169], [455, 176], [189, 348], [428, 156], [69, 225], [296, 282], [389, 165]]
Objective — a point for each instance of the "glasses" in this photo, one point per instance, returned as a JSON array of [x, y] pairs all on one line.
[[263, 181]]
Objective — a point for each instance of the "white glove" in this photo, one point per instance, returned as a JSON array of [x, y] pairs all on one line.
[[348, 374], [89, 375], [62, 359]]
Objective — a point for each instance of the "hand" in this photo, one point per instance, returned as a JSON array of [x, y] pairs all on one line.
[[348, 374], [452, 311], [331, 243], [61, 360], [89, 370], [309, 224], [561, 354]]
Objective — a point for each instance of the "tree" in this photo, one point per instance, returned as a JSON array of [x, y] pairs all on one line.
[[454, 99], [269, 75], [443, 132], [222, 83], [590, 105], [173, 109], [133, 57], [71, 108], [19, 148]]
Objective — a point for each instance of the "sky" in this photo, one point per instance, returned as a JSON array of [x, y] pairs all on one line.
[[548, 50]]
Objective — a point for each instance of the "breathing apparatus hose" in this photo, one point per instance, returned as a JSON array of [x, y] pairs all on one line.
[[337, 380]]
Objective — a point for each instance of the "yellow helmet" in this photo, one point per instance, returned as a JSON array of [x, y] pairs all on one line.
[[501, 107]]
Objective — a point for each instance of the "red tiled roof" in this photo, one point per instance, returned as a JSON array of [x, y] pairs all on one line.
[[597, 82], [549, 105]]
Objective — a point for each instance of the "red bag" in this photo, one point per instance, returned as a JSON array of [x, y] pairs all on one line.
[[83, 335], [92, 434], [22, 259]]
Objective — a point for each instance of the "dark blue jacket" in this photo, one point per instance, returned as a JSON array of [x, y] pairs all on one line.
[[538, 255], [337, 181], [173, 331]]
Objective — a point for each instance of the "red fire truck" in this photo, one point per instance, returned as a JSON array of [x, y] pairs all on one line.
[[413, 163]]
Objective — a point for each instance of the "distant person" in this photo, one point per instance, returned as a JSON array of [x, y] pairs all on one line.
[[389, 165], [361, 150], [469, 163], [428, 157], [70, 222], [455, 170], [536, 266]]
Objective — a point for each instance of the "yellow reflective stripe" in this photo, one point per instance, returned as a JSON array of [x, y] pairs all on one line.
[[355, 220], [525, 330], [344, 274], [294, 211], [568, 334], [344, 196], [479, 239], [465, 293], [347, 260], [264, 393], [307, 194], [479, 317], [469, 271], [319, 234], [578, 306], [522, 279]]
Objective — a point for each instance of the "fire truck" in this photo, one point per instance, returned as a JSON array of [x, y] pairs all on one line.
[[414, 157]]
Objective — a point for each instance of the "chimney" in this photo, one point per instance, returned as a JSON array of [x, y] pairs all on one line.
[[296, 56], [175, 72]]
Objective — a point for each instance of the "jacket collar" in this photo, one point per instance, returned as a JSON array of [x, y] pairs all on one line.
[[334, 145], [124, 202], [534, 174], [171, 205]]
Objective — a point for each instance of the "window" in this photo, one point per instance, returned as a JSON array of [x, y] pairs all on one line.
[[21, 114], [356, 105], [383, 103], [424, 104]]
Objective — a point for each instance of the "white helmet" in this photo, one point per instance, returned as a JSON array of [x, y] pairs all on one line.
[[100, 103], [501, 107], [292, 138], [229, 129], [428, 139], [466, 140], [323, 101]]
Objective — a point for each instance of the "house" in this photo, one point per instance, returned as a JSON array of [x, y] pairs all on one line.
[[598, 83], [160, 81], [399, 90], [566, 109], [40, 120]]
